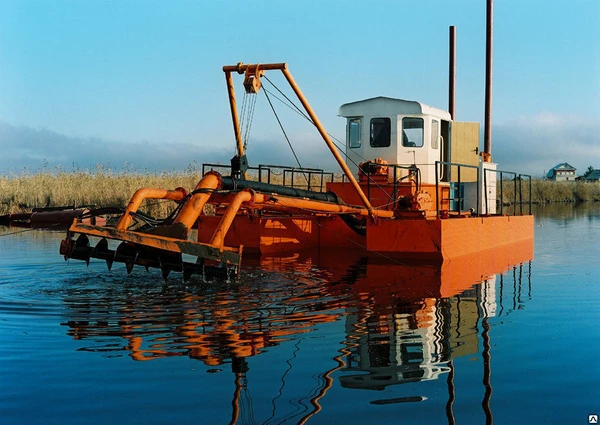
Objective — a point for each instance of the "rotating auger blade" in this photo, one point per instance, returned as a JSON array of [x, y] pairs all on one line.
[[152, 251], [102, 252]]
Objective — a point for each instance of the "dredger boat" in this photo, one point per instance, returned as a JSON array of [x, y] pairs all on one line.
[[414, 185]]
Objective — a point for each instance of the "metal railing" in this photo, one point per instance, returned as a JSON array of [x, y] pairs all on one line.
[[459, 199], [313, 179], [516, 188], [216, 167], [396, 179], [307, 176]]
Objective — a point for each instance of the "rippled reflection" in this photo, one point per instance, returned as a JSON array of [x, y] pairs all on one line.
[[212, 324], [403, 323]]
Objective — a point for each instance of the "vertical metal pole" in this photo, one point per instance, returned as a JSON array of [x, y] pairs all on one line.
[[487, 135], [437, 190], [501, 196], [459, 198], [395, 192], [234, 117], [520, 195], [234, 114], [452, 73], [478, 191], [515, 196], [529, 195], [485, 190]]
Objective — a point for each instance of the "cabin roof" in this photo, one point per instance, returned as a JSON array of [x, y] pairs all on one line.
[[382, 105], [563, 166]]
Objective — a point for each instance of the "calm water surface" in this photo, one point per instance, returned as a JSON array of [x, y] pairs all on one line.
[[307, 340]]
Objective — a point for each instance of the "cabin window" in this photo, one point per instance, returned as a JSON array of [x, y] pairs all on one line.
[[435, 134], [354, 133], [412, 132], [380, 132]]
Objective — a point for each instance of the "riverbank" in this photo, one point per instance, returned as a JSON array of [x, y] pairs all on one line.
[[105, 188], [98, 188], [547, 191]]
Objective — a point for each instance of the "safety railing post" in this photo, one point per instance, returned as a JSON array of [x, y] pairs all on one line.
[[478, 190], [520, 195], [501, 194], [515, 195], [485, 170], [437, 191], [395, 189], [459, 203], [369, 183], [530, 194]]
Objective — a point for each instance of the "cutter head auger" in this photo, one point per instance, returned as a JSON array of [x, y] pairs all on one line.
[[163, 246], [151, 251]]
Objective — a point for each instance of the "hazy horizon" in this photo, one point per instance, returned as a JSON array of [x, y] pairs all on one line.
[[140, 84]]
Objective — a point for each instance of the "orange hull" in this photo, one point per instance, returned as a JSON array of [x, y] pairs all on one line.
[[439, 239], [283, 234], [447, 238]]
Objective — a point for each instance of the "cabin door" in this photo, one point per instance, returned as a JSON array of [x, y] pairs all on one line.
[[443, 172]]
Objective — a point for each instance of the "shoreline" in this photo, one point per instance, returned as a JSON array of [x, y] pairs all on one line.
[[101, 188]]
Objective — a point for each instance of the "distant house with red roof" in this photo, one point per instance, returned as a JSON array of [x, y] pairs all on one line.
[[561, 172]]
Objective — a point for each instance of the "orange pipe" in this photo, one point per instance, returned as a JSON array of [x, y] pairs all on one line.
[[193, 207], [283, 203], [225, 223], [148, 193], [324, 207]]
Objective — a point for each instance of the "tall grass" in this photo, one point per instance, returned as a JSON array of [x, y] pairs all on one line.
[[103, 187], [546, 191], [100, 187]]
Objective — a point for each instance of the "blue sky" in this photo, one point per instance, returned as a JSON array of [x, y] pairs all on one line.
[[140, 82]]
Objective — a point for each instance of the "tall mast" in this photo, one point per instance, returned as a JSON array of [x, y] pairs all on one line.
[[489, 44], [452, 73]]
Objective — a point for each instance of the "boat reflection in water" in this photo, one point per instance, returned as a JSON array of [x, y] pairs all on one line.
[[403, 322], [410, 330]]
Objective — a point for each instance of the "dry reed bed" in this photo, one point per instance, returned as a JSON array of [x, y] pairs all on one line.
[[545, 191], [104, 188], [82, 188]]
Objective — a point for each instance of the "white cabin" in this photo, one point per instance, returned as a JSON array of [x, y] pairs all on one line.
[[406, 132], [399, 131]]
